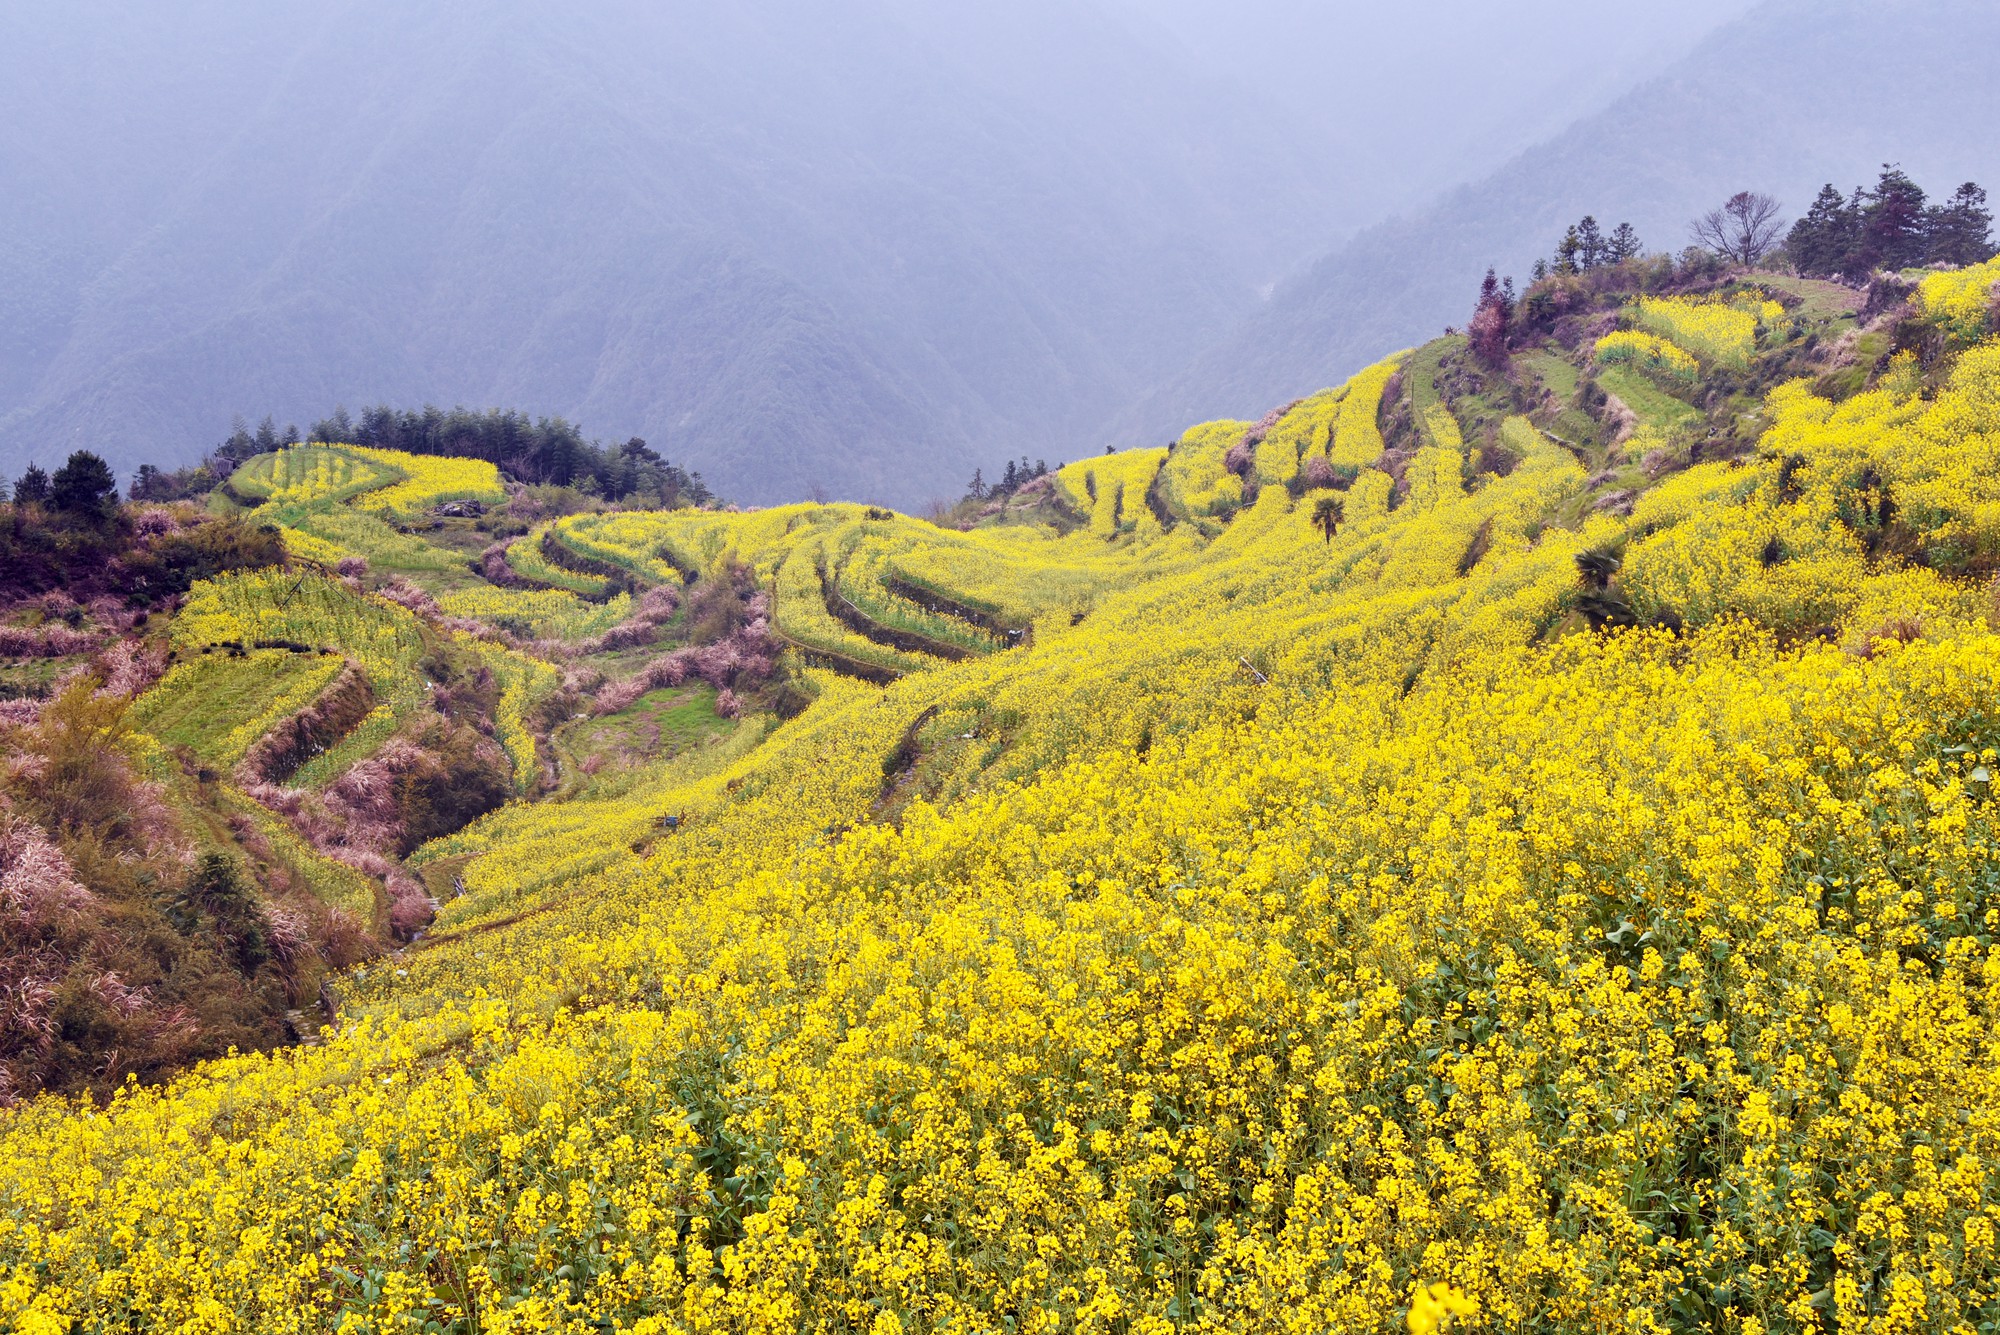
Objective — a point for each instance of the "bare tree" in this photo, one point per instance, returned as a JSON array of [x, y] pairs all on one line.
[[1744, 230]]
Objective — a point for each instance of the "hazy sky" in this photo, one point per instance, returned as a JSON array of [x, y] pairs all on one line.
[[865, 243], [1420, 93]]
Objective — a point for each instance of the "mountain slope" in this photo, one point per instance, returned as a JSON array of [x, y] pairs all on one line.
[[1795, 95], [1447, 833], [792, 247]]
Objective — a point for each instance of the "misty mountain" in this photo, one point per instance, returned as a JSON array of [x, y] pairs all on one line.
[[859, 248], [1429, 93], [1798, 93]]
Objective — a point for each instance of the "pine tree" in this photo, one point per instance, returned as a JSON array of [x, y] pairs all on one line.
[[1540, 271], [1567, 251], [83, 486], [977, 489], [1893, 223], [1010, 479], [378, 427], [1490, 319], [1625, 244], [33, 487], [1590, 243], [241, 444], [267, 435], [1821, 242], [336, 430], [1960, 232]]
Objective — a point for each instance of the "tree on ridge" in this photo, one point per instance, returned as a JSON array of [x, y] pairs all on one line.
[[1744, 230]]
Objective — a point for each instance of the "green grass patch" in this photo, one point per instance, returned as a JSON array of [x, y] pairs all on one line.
[[35, 678], [442, 876], [1554, 371], [657, 726], [364, 741], [1420, 373], [1851, 379], [885, 608], [1822, 300], [385, 640], [1656, 408], [332, 883], [217, 705]]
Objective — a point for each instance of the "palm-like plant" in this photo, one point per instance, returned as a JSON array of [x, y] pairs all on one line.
[[1328, 512]]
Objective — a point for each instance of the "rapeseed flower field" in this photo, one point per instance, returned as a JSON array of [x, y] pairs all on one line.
[[1649, 352], [1291, 929], [335, 502], [1715, 331], [304, 473], [427, 480], [545, 613], [1963, 299]]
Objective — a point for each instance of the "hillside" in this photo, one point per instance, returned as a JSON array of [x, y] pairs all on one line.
[[1521, 825], [1792, 96], [930, 234], [346, 655]]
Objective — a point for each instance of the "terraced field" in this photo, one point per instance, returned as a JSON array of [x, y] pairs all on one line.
[[218, 705], [526, 558], [341, 502], [1503, 883], [303, 473]]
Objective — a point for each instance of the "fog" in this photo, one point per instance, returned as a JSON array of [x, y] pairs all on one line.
[[1794, 94], [855, 249], [1419, 95]]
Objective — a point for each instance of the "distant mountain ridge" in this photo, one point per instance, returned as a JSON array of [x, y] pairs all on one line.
[[686, 223], [1792, 96], [1035, 232]]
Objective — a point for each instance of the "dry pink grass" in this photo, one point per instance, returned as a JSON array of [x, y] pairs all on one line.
[[44, 641], [742, 660]]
